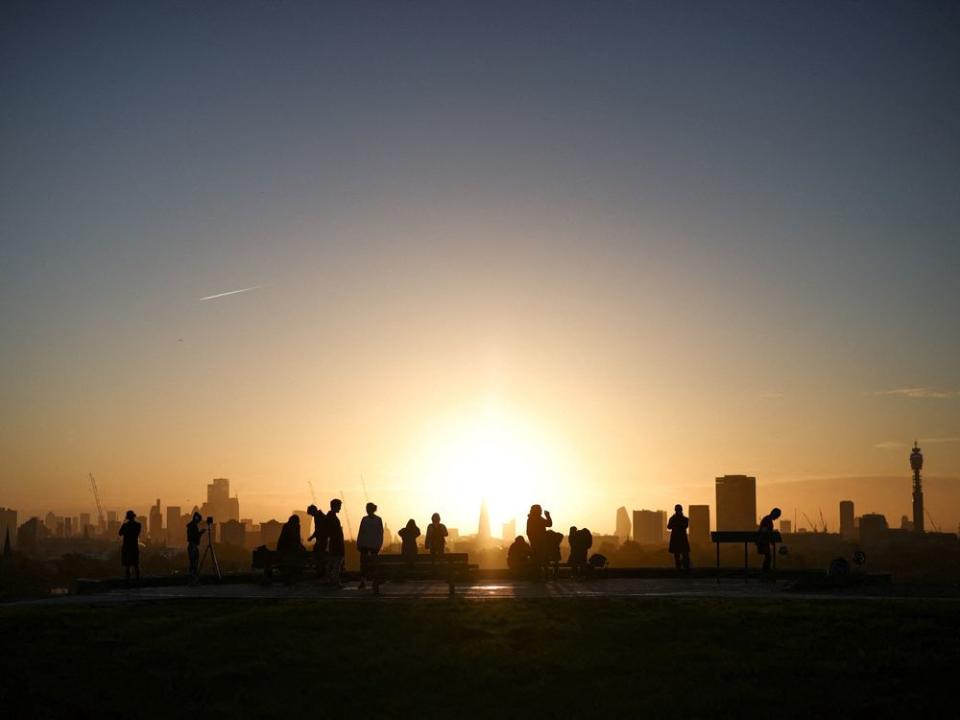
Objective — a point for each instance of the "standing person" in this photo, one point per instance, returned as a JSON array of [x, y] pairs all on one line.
[[436, 539], [335, 549], [518, 558], [369, 541], [537, 526], [130, 548], [679, 542], [763, 544], [408, 538], [319, 538], [194, 532], [578, 553]]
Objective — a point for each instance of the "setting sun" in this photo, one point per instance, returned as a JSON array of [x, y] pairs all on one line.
[[494, 454]]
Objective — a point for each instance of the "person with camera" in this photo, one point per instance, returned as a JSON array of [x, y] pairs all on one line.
[[194, 532]]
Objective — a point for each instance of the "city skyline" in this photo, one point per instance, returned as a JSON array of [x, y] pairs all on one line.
[[579, 256]]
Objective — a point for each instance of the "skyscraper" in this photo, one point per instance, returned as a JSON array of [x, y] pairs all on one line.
[[623, 524], [176, 532], [699, 530], [847, 528], [8, 520], [736, 502], [648, 526], [483, 531], [509, 532], [156, 523], [219, 504], [916, 464]]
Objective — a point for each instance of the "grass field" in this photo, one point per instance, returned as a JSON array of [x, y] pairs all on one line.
[[508, 658]]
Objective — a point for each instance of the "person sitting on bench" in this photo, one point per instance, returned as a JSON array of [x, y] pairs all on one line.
[[408, 538], [518, 557], [436, 540]]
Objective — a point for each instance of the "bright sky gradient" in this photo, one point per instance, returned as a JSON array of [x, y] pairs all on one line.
[[583, 254]]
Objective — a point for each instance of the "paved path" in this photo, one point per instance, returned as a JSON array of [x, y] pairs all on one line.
[[312, 590]]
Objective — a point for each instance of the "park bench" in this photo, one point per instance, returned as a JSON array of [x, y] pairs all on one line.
[[747, 537], [451, 568], [291, 565]]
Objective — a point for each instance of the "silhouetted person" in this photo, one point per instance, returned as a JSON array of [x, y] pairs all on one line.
[[319, 537], [763, 544], [194, 533], [577, 557], [553, 540], [679, 542], [408, 539], [289, 541], [436, 540], [335, 549], [537, 526], [519, 557], [369, 541], [130, 548]]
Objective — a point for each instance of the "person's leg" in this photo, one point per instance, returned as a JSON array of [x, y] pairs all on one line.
[[686, 561], [766, 561], [677, 561], [364, 555]]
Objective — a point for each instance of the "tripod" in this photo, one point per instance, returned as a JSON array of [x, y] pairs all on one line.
[[209, 551]]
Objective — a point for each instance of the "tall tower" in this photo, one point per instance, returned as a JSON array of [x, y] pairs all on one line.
[[483, 531], [916, 464]]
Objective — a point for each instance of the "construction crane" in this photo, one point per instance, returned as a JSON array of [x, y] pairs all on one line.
[[346, 514], [313, 494], [936, 528], [96, 496], [823, 523], [813, 525]]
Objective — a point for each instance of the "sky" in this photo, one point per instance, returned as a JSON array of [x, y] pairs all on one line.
[[576, 253]]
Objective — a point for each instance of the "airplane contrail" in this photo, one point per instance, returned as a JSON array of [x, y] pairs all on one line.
[[231, 292]]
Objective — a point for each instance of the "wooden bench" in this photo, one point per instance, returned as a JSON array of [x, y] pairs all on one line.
[[452, 568], [747, 537], [292, 565]]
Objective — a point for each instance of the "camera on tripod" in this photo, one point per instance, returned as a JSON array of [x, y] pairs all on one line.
[[209, 519]]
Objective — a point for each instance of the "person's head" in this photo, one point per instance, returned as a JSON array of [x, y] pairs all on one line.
[[435, 518], [775, 513], [678, 508], [131, 515], [335, 505], [371, 508], [411, 523], [535, 510], [520, 540], [573, 529], [312, 510], [294, 520], [197, 517]]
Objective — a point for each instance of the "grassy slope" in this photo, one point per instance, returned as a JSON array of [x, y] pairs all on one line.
[[501, 658]]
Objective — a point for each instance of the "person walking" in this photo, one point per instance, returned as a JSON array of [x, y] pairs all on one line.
[[679, 542], [369, 541], [194, 533], [319, 537], [335, 547], [763, 543], [130, 547]]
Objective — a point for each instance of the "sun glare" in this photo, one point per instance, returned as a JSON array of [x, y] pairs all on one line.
[[493, 455]]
